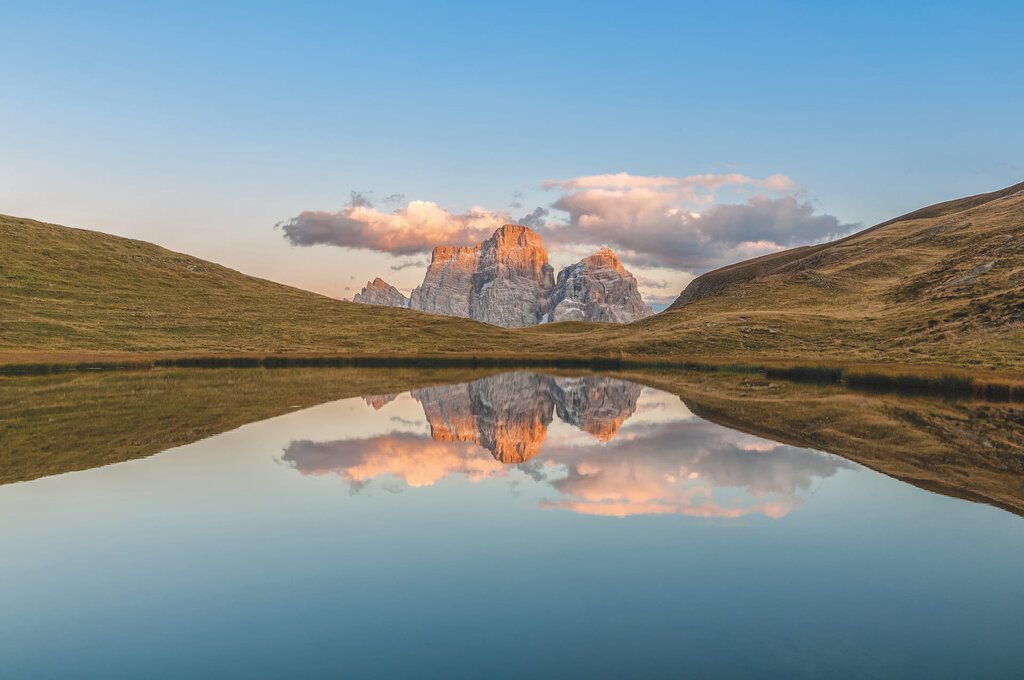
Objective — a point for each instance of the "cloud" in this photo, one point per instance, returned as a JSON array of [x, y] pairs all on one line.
[[416, 228], [655, 228], [690, 187], [405, 265], [651, 283], [535, 219], [415, 459], [359, 200], [651, 221]]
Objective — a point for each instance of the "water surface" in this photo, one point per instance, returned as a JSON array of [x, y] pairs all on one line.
[[516, 525]]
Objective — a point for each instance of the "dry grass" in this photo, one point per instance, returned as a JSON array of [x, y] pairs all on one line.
[[916, 291]]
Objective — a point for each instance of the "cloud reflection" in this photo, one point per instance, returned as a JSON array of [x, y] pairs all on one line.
[[498, 425]]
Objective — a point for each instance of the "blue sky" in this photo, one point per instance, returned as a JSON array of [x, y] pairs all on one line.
[[201, 127]]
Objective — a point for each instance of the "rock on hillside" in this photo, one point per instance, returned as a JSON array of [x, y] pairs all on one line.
[[380, 292], [597, 288]]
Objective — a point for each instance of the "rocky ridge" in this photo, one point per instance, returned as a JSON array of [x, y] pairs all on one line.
[[380, 292], [507, 281], [509, 414], [598, 288]]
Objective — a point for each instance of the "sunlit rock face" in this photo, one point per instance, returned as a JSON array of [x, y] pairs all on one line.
[[448, 284], [379, 401], [509, 414], [505, 281], [597, 288], [595, 404], [513, 282], [380, 292]]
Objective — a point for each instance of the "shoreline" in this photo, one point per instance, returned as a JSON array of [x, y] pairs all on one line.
[[925, 379]]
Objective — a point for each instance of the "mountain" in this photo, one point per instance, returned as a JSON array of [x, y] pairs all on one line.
[[509, 414], [380, 292], [507, 281], [597, 288]]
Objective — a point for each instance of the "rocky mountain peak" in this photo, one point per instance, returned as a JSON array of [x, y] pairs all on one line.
[[598, 288], [507, 281], [380, 292]]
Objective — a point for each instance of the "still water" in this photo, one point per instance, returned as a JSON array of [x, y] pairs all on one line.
[[516, 526]]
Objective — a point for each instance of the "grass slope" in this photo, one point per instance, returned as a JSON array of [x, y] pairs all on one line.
[[943, 285], [71, 290]]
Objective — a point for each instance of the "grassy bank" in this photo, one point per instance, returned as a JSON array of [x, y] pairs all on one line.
[[50, 424], [901, 380]]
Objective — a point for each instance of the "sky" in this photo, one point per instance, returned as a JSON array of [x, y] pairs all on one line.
[[323, 144]]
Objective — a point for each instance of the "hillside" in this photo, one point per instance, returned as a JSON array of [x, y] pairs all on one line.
[[66, 290], [943, 285]]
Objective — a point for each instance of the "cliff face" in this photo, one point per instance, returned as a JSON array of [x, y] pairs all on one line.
[[507, 281], [509, 414], [513, 281], [598, 288], [595, 404], [449, 280], [380, 292]]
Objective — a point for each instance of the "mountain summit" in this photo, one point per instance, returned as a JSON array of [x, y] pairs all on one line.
[[380, 292], [507, 281]]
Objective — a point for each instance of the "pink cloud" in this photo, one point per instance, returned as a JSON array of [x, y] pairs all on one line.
[[415, 228], [651, 221]]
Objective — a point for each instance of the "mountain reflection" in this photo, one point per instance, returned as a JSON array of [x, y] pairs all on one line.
[[671, 464], [509, 414]]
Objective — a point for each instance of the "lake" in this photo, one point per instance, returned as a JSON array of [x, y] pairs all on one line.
[[503, 525]]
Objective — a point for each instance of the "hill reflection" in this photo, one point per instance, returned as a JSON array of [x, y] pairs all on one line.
[[646, 453]]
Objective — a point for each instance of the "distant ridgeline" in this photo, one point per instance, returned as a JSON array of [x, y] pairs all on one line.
[[507, 281]]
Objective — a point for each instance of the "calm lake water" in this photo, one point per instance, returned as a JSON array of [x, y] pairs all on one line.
[[516, 526]]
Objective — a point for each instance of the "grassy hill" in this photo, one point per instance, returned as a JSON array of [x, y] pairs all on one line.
[[943, 285], [66, 290]]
